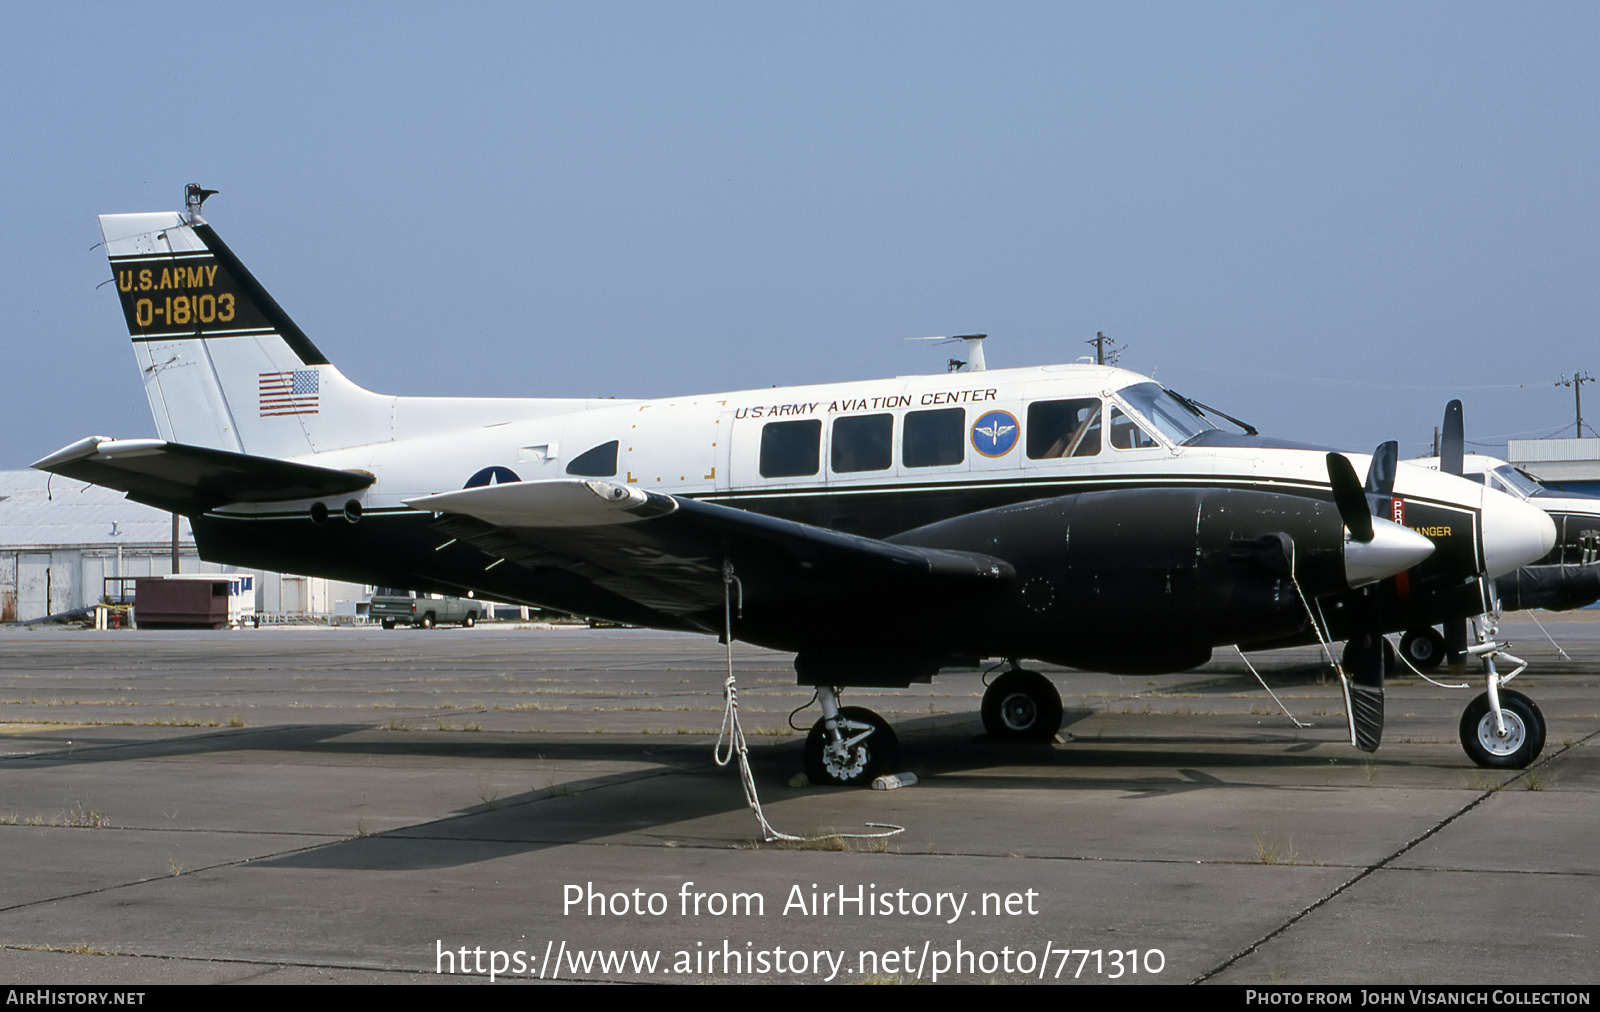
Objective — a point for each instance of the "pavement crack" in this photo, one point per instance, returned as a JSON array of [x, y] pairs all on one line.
[[1379, 865]]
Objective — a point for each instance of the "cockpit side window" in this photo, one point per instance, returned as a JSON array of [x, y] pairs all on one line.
[[791, 449], [1172, 417], [862, 443], [1059, 429], [1126, 433], [596, 462]]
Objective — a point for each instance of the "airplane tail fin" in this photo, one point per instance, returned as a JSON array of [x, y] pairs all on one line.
[[223, 365]]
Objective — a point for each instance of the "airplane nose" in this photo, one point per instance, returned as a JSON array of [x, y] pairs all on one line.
[[1393, 549], [1515, 533]]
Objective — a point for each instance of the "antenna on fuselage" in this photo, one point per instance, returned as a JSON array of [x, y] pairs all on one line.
[[974, 343]]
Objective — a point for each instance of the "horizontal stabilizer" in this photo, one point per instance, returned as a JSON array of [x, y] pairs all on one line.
[[192, 479]]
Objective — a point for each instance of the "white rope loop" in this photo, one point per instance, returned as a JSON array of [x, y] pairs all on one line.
[[733, 732]]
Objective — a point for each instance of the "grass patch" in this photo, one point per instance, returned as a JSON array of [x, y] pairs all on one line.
[[835, 843], [1276, 850], [1484, 781]]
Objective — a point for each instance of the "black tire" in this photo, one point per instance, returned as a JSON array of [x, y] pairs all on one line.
[[388, 623], [877, 754], [1424, 648], [469, 621], [1022, 706], [1524, 738], [426, 621]]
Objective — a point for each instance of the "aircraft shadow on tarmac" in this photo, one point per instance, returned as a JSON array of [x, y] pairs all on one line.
[[676, 784]]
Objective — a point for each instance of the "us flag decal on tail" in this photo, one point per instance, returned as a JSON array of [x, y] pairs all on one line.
[[289, 393]]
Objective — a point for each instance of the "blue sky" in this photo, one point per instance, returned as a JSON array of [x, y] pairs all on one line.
[[1325, 218]]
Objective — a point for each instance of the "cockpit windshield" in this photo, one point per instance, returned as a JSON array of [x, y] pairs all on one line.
[[1518, 480], [1176, 420]]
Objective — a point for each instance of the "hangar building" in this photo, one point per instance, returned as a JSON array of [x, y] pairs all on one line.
[[61, 541]]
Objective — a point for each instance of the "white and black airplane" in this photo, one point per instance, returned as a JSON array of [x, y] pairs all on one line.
[[1566, 577], [880, 530]]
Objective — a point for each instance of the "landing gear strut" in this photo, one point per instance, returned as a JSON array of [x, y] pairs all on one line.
[[1021, 706], [1502, 728], [849, 745]]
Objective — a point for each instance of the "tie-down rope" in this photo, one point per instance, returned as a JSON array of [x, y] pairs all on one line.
[[733, 732]]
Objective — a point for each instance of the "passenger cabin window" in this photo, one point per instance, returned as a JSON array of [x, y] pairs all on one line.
[[1064, 428], [862, 443], [791, 449], [934, 438], [599, 462], [1126, 433]]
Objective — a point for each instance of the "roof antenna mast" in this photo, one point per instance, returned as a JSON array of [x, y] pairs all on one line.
[[974, 343]]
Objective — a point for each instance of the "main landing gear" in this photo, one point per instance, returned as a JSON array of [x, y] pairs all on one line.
[[849, 745], [1021, 706]]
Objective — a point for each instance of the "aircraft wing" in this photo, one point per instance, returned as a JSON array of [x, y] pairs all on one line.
[[192, 479], [667, 552]]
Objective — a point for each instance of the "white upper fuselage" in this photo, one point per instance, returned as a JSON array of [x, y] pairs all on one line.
[[711, 446]]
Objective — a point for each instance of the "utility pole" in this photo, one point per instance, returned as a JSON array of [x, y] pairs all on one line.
[[1102, 354], [1576, 383]]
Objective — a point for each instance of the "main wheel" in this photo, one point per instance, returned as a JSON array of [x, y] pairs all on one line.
[[468, 622], [1022, 706], [427, 621], [1424, 648], [1519, 746], [388, 623], [874, 755]]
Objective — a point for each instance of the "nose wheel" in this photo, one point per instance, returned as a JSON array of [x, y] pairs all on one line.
[[1511, 747], [1022, 706]]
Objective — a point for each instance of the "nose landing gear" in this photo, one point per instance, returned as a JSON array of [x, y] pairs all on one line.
[[1502, 728]]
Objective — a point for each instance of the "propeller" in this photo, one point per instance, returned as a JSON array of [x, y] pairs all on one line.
[[1366, 652], [1452, 460]]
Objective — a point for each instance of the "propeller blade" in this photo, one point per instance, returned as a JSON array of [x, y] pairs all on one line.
[[1453, 441], [1380, 473], [1349, 496], [1367, 653], [1366, 658]]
